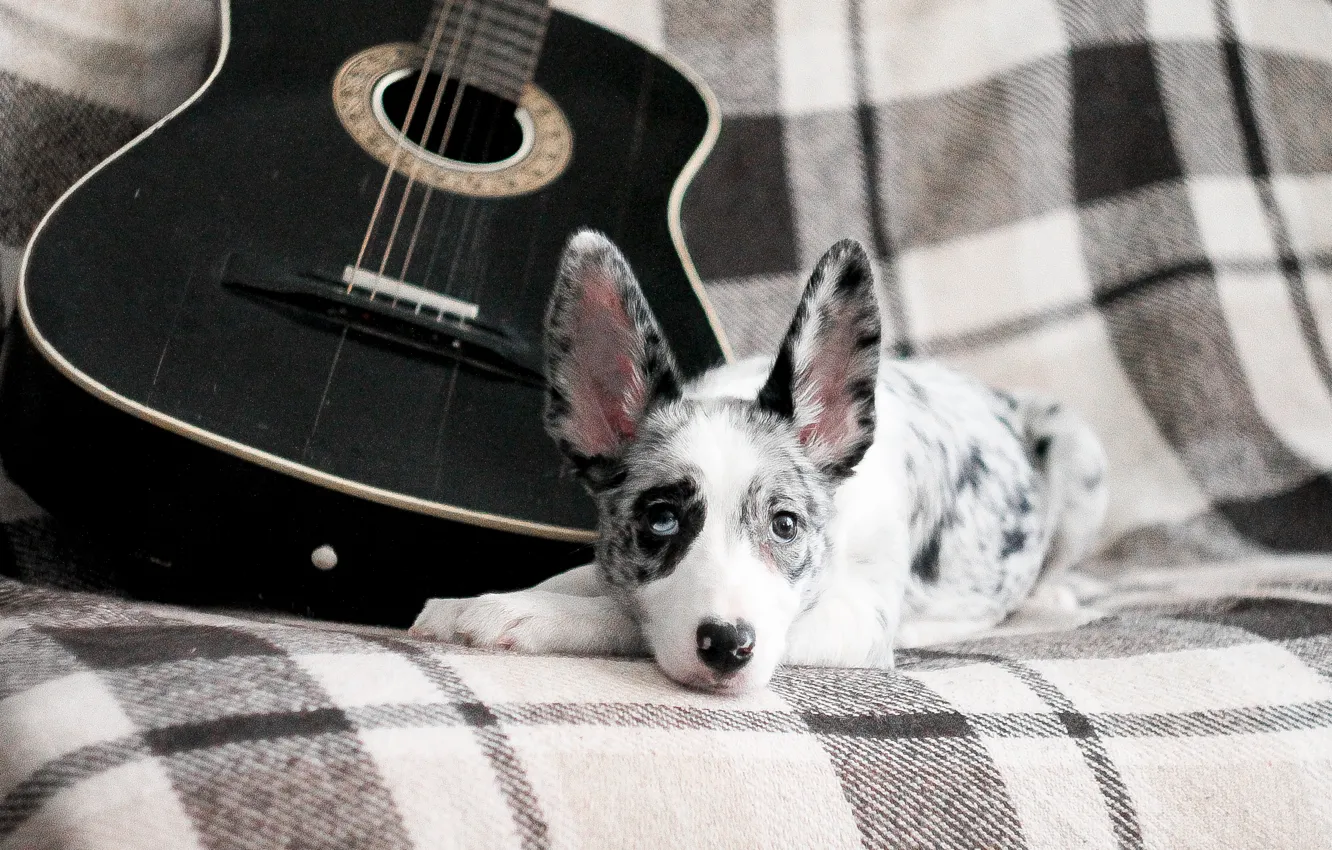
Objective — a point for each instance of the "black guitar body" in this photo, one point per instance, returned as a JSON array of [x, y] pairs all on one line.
[[225, 432]]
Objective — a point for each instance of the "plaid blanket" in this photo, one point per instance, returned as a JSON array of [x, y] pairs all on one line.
[[1127, 204], [131, 726]]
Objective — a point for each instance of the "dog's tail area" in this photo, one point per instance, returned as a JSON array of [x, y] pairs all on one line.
[[1071, 463]]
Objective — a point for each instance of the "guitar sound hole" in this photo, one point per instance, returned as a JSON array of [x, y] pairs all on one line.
[[485, 130]]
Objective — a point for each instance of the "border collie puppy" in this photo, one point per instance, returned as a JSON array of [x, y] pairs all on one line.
[[821, 507]]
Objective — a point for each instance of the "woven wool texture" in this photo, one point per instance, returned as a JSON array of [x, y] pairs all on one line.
[[1127, 204], [133, 726]]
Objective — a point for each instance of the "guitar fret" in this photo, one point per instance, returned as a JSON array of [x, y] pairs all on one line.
[[533, 10], [487, 65], [487, 77], [519, 13], [501, 41], [502, 23], [485, 25], [516, 53], [495, 40], [490, 72]]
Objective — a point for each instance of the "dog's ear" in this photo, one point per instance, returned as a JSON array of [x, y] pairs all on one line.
[[606, 357], [824, 375]]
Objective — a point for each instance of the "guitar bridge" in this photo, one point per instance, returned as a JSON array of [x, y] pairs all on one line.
[[390, 310], [404, 294]]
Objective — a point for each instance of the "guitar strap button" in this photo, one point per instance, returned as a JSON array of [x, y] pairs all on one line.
[[324, 558]]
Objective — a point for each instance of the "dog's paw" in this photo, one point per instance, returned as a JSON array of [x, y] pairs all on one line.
[[437, 619], [517, 622]]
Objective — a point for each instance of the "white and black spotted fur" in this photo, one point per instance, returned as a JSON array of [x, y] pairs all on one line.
[[821, 507]]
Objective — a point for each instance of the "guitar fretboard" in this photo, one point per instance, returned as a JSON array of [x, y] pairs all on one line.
[[497, 42]]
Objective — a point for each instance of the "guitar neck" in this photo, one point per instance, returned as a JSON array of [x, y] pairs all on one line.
[[490, 44]]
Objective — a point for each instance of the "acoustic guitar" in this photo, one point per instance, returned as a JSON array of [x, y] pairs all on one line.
[[285, 346]]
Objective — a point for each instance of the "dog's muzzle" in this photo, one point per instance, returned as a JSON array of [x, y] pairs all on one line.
[[725, 647]]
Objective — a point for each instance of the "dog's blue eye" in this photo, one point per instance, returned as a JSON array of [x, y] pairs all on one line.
[[663, 520], [784, 526]]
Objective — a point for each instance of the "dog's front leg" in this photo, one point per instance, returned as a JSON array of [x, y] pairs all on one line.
[[579, 581], [569, 613], [852, 625]]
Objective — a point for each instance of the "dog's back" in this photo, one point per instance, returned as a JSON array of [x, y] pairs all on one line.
[[1072, 466]]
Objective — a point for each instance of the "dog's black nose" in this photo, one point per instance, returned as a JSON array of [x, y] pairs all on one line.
[[725, 647]]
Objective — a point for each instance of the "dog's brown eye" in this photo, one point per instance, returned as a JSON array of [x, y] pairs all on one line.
[[662, 520], [784, 526]]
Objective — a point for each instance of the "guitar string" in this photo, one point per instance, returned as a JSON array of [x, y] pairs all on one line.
[[457, 364], [483, 22], [425, 204], [425, 135], [398, 146], [448, 131], [478, 282], [429, 190], [450, 124], [474, 292], [445, 413], [374, 216]]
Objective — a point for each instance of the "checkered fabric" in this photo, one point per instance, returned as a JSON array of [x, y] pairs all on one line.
[[1126, 203], [129, 726]]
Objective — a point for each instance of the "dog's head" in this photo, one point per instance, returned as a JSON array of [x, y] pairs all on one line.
[[713, 509]]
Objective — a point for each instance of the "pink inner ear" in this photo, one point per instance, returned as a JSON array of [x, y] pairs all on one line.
[[823, 386], [606, 386]]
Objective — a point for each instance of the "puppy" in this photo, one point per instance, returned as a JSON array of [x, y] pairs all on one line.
[[821, 507]]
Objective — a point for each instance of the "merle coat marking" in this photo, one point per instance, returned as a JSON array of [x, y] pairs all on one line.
[[820, 507]]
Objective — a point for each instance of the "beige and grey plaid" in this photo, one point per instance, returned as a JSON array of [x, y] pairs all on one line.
[[1125, 203], [125, 725]]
